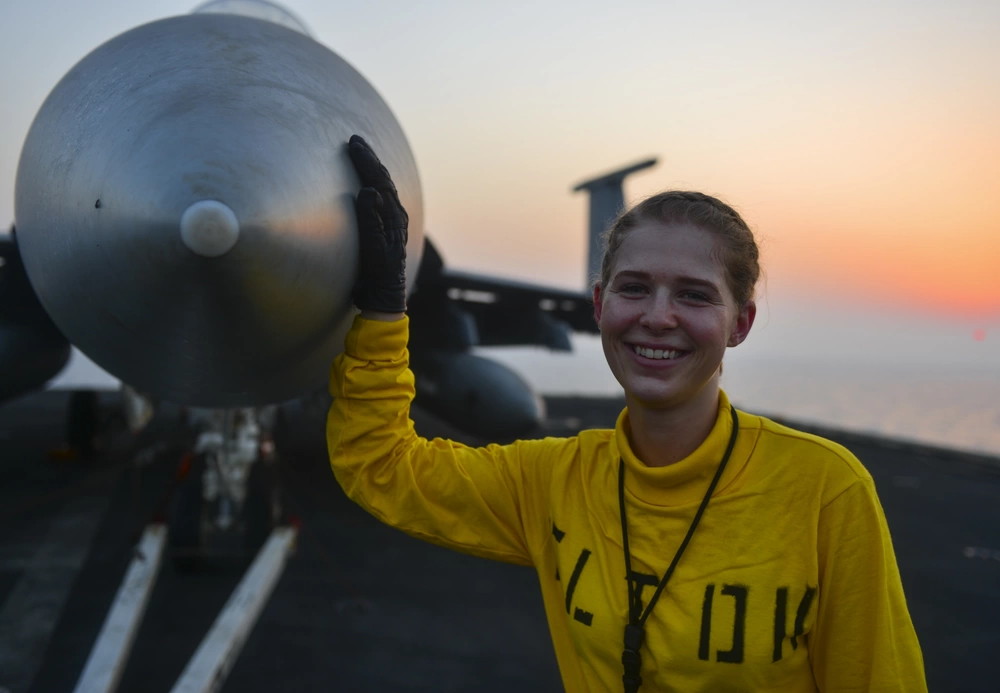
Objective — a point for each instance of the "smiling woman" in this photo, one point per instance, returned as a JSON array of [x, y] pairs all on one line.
[[666, 317], [678, 276], [766, 548]]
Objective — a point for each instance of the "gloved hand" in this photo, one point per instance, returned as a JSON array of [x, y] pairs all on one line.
[[382, 230]]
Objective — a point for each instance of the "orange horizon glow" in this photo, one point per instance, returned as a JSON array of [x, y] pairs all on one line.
[[950, 268]]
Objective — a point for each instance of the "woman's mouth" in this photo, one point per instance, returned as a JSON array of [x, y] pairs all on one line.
[[657, 354]]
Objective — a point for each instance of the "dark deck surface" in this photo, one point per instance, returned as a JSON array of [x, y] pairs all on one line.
[[362, 607]]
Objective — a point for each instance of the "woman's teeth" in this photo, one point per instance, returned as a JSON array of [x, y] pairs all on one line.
[[656, 353]]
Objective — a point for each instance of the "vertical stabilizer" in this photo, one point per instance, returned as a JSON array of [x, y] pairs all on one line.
[[606, 200]]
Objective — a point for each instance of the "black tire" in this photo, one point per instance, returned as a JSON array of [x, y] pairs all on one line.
[[83, 421], [262, 508], [185, 517]]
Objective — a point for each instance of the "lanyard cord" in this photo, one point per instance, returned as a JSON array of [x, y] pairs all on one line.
[[631, 659]]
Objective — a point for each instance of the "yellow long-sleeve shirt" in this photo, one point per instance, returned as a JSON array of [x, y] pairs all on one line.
[[789, 583]]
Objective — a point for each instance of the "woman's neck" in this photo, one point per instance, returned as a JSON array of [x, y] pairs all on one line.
[[661, 437]]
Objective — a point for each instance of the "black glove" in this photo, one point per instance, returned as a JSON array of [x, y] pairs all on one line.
[[382, 235]]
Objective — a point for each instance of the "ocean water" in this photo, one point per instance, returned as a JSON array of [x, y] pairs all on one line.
[[950, 407]]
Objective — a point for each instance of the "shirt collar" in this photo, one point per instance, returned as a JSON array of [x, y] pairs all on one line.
[[687, 480]]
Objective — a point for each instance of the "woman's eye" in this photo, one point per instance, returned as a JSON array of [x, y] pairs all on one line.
[[694, 296], [632, 289]]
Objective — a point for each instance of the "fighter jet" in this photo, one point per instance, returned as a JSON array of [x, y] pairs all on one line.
[[182, 299]]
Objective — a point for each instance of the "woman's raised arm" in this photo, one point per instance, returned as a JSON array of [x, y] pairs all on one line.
[[477, 500]]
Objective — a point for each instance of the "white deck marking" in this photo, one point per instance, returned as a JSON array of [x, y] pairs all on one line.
[[107, 660], [981, 552], [210, 666]]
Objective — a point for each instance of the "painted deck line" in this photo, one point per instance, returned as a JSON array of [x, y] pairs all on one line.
[[107, 660], [211, 664], [31, 612]]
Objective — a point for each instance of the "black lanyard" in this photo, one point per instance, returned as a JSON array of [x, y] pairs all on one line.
[[631, 659]]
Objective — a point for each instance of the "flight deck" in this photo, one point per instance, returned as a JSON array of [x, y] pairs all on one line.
[[363, 607]]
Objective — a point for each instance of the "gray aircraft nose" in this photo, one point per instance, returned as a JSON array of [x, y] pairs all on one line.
[[184, 205]]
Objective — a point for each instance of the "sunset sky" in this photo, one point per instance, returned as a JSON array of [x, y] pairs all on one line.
[[861, 140]]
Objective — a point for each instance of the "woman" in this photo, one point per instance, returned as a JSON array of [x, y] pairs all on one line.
[[693, 547]]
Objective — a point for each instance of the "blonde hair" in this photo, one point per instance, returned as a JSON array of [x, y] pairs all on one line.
[[741, 256]]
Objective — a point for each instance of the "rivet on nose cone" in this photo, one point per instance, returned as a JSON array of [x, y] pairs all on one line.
[[209, 228]]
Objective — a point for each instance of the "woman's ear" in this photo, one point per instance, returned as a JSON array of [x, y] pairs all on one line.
[[597, 304], [743, 323]]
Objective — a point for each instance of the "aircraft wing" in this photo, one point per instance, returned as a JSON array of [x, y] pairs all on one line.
[[456, 309]]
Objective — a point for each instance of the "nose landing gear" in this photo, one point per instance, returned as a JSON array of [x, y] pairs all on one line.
[[230, 499]]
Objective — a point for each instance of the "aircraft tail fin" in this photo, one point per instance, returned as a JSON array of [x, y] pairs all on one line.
[[606, 201]]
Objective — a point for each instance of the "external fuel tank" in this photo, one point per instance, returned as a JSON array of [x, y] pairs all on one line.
[[184, 206]]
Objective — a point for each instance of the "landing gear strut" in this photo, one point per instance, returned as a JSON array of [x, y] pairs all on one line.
[[231, 489]]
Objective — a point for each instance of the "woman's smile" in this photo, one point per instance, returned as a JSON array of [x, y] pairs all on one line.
[[658, 353]]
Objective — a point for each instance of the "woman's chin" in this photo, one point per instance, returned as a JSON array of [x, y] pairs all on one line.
[[660, 394]]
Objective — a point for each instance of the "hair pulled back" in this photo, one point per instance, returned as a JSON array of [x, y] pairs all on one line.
[[741, 257]]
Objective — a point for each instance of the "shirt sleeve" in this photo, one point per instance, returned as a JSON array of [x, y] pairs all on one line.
[[460, 497], [863, 638]]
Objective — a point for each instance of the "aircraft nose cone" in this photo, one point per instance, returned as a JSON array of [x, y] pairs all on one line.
[[209, 228], [184, 205]]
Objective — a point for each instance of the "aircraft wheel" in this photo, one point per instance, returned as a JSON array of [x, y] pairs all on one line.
[[262, 509], [187, 537], [282, 429], [83, 422]]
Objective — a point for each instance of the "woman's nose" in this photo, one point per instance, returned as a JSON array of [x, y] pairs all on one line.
[[661, 313]]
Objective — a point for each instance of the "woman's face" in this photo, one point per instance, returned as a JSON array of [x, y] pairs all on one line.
[[667, 315]]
